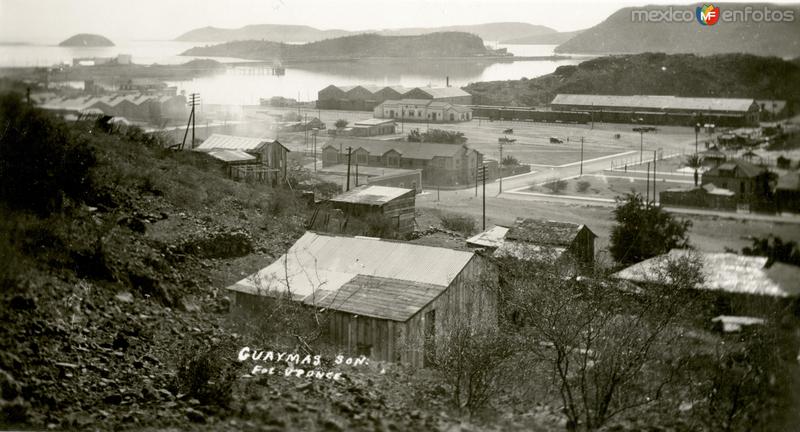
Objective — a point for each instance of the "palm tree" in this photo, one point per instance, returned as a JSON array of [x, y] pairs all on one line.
[[694, 161]]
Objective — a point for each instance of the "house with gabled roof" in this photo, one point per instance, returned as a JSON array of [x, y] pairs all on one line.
[[389, 300], [750, 183], [441, 164]]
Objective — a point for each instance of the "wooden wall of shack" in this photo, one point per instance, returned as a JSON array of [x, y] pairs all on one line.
[[400, 211]]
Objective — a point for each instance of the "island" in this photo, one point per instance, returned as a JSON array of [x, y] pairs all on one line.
[[434, 46], [87, 40]]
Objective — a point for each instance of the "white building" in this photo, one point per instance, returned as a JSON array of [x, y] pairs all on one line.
[[423, 110]]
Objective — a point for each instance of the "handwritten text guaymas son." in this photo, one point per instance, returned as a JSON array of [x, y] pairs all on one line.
[[293, 360]]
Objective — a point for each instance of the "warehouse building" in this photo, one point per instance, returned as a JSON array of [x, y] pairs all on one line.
[[656, 109], [423, 110], [441, 164], [367, 97]]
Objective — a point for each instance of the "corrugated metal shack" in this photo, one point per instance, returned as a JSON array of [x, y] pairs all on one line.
[[395, 204], [388, 300]]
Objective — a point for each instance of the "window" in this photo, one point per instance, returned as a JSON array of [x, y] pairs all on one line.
[[419, 113], [411, 113], [452, 117], [391, 113]]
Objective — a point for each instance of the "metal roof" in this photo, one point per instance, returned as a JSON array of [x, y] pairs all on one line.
[[231, 155], [373, 195], [544, 232], [373, 122], [443, 92], [655, 102], [790, 181], [726, 272], [738, 166], [229, 142], [320, 264], [409, 150], [378, 297], [493, 237]]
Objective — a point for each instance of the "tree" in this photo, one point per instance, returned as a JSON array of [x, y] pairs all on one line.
[[341, 124], [644, 231], [694, 161], [437, 136], [556, 186], [510, 161], [775, 249], [609, 350]]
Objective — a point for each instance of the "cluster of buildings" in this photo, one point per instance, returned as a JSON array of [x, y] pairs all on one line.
[[738, 185], [136, 107], [394, 300], [421, 104]]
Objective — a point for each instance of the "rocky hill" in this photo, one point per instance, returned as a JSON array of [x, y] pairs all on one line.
[[296, 33], [725, 75], [87, 40], [436, 45], [621, 34]]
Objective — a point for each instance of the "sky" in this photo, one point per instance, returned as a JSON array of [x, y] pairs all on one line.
[[50, 21]]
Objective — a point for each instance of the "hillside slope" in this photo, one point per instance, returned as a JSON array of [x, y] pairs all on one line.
[[436, 45], [621, 34], [727, 75]]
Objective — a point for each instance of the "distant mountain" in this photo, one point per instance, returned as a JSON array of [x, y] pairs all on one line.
[[296, 33], [543, 39], [435, 45], [721, 75], [621, 33], [86, 40], [270, 32], [488, 32]]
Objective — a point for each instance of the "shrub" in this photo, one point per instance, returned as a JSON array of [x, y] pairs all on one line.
[[40, 162], [341, 124], [556, 186], [208, 374], [458, 223], [583, 186]]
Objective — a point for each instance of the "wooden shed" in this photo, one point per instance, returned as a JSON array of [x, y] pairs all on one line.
[[395, 204], [389, 300], [269, 162]]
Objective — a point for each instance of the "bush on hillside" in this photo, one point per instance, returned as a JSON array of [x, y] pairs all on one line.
[[41, 163]]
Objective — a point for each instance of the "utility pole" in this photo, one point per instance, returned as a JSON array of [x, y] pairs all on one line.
[[483, 177], [356, 174], [349, 152], [654, 177], [501, 170], [581, 155], [647, 189], [477, 169], [194, 98], [314, 136]]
